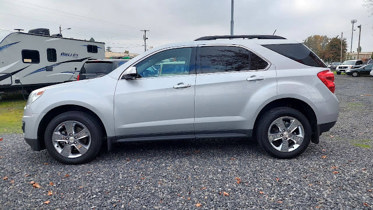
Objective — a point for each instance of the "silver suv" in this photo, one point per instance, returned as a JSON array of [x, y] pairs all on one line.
[[266, 87], [348, 65]]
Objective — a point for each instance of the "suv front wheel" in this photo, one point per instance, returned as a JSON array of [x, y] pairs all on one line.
[[73, 137], [283, 132]]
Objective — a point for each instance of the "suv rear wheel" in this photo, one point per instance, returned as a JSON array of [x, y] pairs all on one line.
[[73, 137], [283, 132]]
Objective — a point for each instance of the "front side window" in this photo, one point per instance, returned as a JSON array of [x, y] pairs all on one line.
[[166, 63], [51, 55], [30, 56], [228, 58]]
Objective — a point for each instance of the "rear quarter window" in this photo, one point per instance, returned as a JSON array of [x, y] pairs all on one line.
[[297, 52]]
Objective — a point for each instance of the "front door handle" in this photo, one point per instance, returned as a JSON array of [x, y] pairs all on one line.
[[182, 85], [255, 78]]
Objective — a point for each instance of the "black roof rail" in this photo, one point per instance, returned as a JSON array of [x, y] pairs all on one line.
[[239, 37]]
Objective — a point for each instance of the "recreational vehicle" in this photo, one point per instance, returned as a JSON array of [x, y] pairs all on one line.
[[35, 59]]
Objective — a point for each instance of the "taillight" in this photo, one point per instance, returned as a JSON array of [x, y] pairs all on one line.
[[78, 77], [327, 77]]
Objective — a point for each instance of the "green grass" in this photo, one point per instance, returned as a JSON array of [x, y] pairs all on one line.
[[11, 113], [362, 143], [355, 105], [362, 146]]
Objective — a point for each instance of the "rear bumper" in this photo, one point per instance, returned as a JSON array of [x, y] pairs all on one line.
[[325, 127]]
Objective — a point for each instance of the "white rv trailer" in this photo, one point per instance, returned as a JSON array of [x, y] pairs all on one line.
[[33, 60]]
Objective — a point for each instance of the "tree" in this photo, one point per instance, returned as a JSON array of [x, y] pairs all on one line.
[[317, 44], [332, 51]]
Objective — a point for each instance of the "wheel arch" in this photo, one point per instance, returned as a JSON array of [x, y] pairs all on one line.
[[297, 104], [61, 109]]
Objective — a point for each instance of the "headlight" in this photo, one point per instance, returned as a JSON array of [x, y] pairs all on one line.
[[35, 95]]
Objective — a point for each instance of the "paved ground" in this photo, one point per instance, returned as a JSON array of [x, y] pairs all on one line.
[[219, 174]]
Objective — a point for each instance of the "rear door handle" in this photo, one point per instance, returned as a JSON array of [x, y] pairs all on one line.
[[255, 78], [182, 85]]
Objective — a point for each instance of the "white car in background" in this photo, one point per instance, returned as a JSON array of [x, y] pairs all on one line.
[[347, 65]]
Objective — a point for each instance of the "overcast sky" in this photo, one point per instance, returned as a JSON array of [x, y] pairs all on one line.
[[118, 22]]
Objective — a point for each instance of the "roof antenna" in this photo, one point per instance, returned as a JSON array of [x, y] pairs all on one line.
[[274, 32]]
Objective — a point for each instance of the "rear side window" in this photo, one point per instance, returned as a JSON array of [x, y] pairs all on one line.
[[51, 55], [30, 56], [297, 52], [227, 58]]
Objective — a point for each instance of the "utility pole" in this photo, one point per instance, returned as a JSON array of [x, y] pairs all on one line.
[[60, 30], [352, 32], [358, 45], [341, 47], [145, 38], [232, 12]]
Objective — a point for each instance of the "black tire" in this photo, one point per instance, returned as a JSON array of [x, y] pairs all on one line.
[[285, 144], [73, 137], [338, 72], [355, 74]]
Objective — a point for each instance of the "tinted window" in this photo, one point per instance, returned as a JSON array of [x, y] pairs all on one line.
[[297, 52], [92, 48], [51, 55], [30, 56], [349, 62], [97, 68], [225, 58], [166, 63]]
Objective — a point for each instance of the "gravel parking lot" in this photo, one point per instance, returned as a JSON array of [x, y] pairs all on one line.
[[207, 174]]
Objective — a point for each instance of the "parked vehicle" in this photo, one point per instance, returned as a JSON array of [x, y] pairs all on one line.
[[348, 65], [362, 71], [36, 59], [98, 68], [333, 65], [371, 73], [261, 86]]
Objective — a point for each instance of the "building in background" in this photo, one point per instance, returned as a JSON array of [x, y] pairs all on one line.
[[365, 56]]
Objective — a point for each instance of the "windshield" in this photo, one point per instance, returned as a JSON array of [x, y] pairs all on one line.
[[349, 63]]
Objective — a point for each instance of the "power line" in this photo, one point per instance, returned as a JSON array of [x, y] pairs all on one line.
[[49, 10]]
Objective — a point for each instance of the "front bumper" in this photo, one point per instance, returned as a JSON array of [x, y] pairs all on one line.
[[30, 124], [34, 144]]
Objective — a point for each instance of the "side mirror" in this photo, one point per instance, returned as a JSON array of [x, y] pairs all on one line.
[[130, 73]]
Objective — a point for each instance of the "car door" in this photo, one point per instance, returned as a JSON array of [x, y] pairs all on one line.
[[366, 70], [227, 78], [160, 101]]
